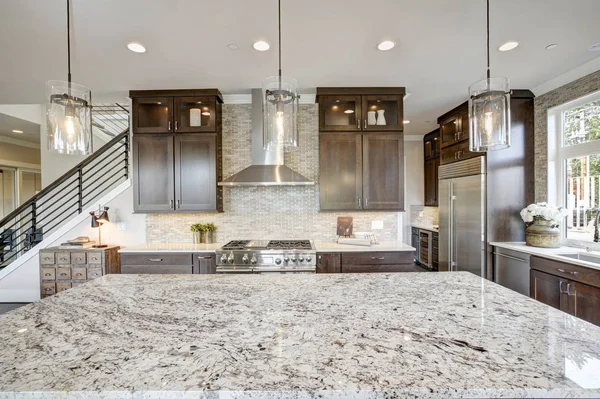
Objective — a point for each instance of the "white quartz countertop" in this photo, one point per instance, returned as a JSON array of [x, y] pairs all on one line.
[[425, 335], [385, 246], [172, 247], [424, 227], [321, 246], [551, 253]]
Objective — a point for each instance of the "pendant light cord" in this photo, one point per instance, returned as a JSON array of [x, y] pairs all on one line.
[[69, 41], [279, 27], [488, 40]]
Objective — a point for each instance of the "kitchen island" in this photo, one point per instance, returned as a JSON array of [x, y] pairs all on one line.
[[259, 336]]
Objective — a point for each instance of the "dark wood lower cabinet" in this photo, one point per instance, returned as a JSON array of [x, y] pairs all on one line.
[[329, 263], [549, 284]]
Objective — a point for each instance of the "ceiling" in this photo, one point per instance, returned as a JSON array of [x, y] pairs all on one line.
[[31, 131], [440, 46]]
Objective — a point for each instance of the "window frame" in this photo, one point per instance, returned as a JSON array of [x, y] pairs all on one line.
[[558, 154]]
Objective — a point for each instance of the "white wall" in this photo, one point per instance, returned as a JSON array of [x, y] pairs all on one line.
[[414, 180]]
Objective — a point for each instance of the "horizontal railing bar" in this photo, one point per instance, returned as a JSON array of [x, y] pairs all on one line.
[[120, 154], [68, 216], [19, 220], [39, 215], [44, 207], [101, 184], [45, 191]]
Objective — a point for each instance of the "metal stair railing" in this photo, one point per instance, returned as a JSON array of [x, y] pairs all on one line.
[[73, 192]]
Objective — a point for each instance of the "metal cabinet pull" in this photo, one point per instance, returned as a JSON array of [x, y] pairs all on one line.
[[171, 204], [455, 155], [79, 274], [365, 123], [567, 272], [560, 287], [176, 126], [358, 124], [47, 274], [366, 202], [569, 290], [359, 204], [177, 205], [169, 127], [205, 257], [376, 258], [155, 260]]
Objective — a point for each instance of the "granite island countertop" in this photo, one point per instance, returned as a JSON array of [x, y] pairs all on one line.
[[302, 336]]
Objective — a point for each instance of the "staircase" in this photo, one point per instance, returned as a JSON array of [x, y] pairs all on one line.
[[27, 226]]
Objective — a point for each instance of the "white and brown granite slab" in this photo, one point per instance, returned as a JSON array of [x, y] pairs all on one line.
[[302, 336]]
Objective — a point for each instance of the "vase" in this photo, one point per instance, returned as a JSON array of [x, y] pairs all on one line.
[[208, 239], [195, 117], [381, 117], [371, 118], [196, 237], [541, 233]]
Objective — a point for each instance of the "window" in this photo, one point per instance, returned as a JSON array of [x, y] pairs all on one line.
[[574, 164]]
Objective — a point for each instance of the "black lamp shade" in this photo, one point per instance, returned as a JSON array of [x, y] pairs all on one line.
[[103, 218], [94, 220]]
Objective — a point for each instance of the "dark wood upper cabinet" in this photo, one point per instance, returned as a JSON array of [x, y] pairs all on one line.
[[195, 114], [176, 150], [340, 113], [431, 152], [195, 172], [454, 125], [383, 171], [153, 171], [350, 109], [152, 115], [340, 181], [175, 111]]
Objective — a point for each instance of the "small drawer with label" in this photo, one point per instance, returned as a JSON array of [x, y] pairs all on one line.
[[48, 289], [63, 258], [47, 258], [60, 287], [63, 273], [94, 258], [79, 273], [78, 258], [94, 273], [48, 273]]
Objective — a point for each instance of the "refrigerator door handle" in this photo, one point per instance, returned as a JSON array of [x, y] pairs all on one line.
[[452, 264]]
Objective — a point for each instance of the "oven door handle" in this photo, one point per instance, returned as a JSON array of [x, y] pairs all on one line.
[[238, 271], [280, 270]]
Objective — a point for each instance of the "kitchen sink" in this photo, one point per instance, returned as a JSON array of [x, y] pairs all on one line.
[[583, 257]]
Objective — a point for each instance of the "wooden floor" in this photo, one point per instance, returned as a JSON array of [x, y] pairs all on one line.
[[7, 307]]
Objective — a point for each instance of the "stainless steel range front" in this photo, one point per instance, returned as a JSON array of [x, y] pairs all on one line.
[[267, 256]]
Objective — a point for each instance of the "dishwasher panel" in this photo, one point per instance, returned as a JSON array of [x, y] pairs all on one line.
[[511, 270]]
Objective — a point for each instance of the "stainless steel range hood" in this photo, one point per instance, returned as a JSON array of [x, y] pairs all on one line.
[[267, 167]]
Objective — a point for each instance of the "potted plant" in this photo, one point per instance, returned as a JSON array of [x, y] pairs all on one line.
[[197, 229], [209, 230], [542, 222]]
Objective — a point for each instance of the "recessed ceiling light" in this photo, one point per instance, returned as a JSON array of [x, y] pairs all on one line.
[[508, 46], [406, 122], [349, 111], [136, 47], [261, 45], [233, 46], [386, 45], [551, 46], [594, 47], [17, 131]]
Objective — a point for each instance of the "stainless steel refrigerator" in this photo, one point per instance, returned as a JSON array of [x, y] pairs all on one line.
[[462, 216]]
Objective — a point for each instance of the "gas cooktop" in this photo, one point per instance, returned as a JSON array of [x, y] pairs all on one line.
[[240, 245]]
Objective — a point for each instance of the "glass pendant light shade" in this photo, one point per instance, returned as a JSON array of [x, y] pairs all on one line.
[[280, 111], [69, 118], [489, 115]]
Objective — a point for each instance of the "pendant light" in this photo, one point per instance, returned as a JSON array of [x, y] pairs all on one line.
[[69, 111], [280, 108], [489, 109]]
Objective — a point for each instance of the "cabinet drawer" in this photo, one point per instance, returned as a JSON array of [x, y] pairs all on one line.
[[378, 268], [94, 273], [79, 273], [48, 289], [63, 258], [48, 273], [156, 259], [566, 270], [63, 273], [62, 286], [156, 269], [78, 258], [47, 258], [376, 258], [94, 258]]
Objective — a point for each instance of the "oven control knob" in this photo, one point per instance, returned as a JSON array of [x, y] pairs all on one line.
[[278, 261], [245, 259], [286, 259], [223, 258], [300, 259], [293, 258], [308, 258], [253, 260], [230, 259]]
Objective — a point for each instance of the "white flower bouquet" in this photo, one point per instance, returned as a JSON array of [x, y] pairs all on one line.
[[543, 211]]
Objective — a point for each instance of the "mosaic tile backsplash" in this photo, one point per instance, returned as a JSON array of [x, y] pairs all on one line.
[[268, 212]]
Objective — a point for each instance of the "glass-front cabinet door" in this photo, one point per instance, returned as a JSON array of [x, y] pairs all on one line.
[[449, 131], [195, 114], [340, 113], [153, 115], [382, 113]]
